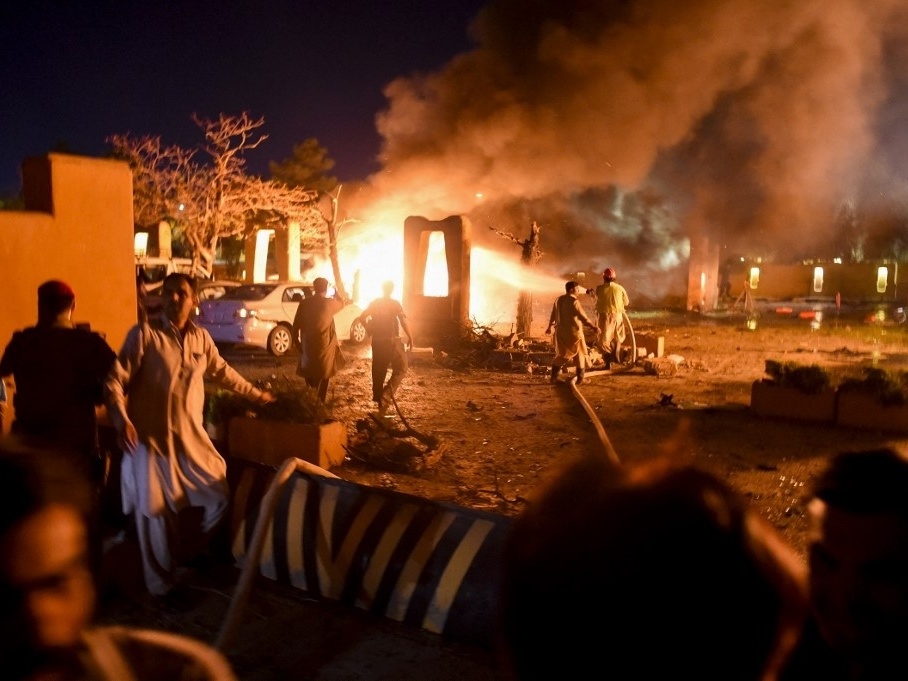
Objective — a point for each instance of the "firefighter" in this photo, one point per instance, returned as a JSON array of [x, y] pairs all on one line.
[[568, 317], [611, 300]]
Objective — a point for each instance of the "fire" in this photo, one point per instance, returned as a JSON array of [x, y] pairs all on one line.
[[374, 254]]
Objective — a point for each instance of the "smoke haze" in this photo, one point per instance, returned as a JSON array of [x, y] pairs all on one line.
[[627, 129]]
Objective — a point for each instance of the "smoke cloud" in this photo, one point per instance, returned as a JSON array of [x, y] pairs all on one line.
[[629, 128]]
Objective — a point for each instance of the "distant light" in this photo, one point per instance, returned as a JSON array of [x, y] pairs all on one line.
[[754, 278], [882, 279], [182, 207], [837, 261], [140, 244], [259, 265], [479, 195]]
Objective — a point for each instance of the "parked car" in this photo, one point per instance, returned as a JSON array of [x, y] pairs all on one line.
[[207, 289], [154, 269], [262, 315]]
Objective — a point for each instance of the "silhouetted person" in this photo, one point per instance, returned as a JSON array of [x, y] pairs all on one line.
[[313, 325], [651, 572], [59, 373], [47, 591], [858, 558], [611, 302], [724, 281], [568, 318], [385, 319]]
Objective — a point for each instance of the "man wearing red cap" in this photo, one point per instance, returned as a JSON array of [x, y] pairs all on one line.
[[611, 299], [59, 373]]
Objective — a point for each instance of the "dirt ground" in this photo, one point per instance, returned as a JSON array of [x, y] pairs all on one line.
[[490, 426], [491, 429]]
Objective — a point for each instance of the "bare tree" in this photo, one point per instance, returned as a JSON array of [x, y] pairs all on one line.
[[216, 200], [222, 207], [160, 176], [333, 226], [529, 256], [307, 168]]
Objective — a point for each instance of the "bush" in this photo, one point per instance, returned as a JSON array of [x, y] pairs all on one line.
[[294, 405], [811, 379], [889, 387]]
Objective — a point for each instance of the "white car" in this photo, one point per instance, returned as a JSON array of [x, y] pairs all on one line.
[[154, 269], [206, 289], [262, 315]]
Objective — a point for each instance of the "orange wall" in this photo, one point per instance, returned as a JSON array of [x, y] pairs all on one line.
[[78, 227]]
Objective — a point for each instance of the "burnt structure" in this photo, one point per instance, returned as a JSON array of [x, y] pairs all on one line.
[[871, 281], [434, 319]]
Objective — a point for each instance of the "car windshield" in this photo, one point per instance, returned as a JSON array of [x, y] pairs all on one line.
[[248, 292]]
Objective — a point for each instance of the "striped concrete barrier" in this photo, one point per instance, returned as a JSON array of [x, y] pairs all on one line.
[[424, 563]]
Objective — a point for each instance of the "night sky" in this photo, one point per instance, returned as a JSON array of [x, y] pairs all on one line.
[[628, 129], [75, 72]]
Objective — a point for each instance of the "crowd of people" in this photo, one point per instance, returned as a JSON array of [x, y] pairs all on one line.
[[636, 572]]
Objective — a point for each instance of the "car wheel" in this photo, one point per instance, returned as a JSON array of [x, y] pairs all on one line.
[[358, 333], [280, 340]]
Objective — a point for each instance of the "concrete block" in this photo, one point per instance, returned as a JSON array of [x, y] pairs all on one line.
[[652, 345], [273, 442]]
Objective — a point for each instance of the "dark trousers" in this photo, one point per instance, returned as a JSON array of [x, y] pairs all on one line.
[[387, 353], [320, 386]]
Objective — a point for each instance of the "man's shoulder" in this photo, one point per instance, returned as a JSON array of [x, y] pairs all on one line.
[[386, 305], [26, 333], [92, 339], [199, 332], [17, 339]]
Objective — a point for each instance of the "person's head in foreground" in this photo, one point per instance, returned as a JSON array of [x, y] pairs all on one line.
[[47, 592], [858, 553], [650, 572]]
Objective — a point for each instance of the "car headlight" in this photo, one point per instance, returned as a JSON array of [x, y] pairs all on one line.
[[242, 313]]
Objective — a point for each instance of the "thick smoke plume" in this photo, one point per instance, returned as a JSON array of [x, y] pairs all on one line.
[[627, 129]]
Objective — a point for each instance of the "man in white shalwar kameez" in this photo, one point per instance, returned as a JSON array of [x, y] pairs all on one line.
[[156, 394]]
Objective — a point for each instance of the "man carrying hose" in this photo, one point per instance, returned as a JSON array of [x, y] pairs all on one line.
[[568, 318], [611, 299]]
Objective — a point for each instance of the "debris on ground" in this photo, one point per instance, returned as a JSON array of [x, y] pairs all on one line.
[[662, 367], [667, 400], [380, 444]]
